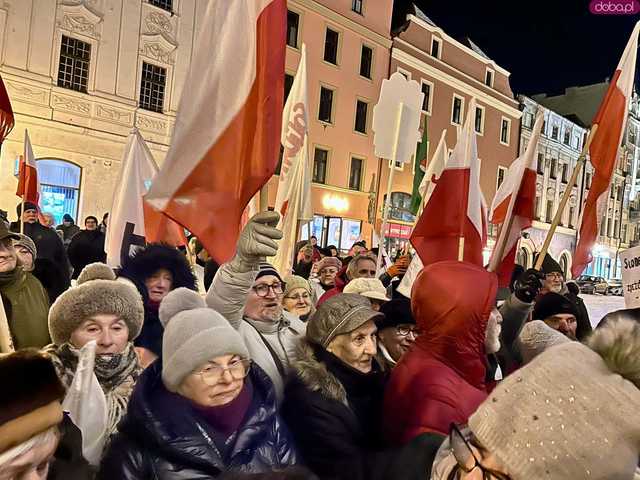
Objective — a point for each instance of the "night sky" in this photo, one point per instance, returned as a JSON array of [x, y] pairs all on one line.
[[547, 45]]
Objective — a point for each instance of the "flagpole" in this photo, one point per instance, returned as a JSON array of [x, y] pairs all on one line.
[[565, 198], [264, 198], [22, 215]]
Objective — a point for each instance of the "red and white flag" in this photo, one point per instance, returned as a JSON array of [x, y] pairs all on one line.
[[603, 151], [513, 206], [453, 223], [293, 199], [225, 143], [7, 119], [28, 186]]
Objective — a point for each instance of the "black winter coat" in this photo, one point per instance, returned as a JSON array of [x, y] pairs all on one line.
[[334, 414], [162, 437], [87, 246]]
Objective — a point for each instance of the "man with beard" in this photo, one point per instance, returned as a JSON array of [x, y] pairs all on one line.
[[87, 246], [558, 312]]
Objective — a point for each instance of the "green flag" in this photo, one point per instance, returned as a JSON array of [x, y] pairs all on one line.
[[419, 169]]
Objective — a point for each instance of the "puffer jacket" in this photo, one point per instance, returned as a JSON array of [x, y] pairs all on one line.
[[162, 437], [442, 378]]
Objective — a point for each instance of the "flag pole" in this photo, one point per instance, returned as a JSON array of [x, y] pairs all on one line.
[[22, 215], [264, 198], [503, 234], [565, 198]]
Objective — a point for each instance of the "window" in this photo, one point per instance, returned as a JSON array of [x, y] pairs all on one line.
[[572, 212], [436, 47], [553, 170], [528, 120], [544, 127], [616, 231], [488, 78], [540, 167], [554, 132], [163, 4], [536, 212], [623, 234], [355, 174], [326, 105], [567, 137], [152, 87], [456, 110], [426, 100], [366, 59], [293, 22], [59, 188], [361, 116], [288, 83], [611, 192], [505, 131], [479, 120], [356, 6], [588, 181], [619, 193], [565, 170], [501, 174], [400, 207], [549, 213], [73, 69], [320, 165], [331, 46]]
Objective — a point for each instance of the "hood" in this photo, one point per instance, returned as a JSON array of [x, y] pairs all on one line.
[[451, 302]]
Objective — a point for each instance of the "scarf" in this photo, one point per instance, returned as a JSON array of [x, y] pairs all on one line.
[[116, 374], [8, 278]]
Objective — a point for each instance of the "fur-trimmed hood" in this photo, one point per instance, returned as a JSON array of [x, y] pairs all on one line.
[[145, 262]]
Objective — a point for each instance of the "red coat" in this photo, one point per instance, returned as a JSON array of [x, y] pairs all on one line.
[[441, 379], [341, 282]]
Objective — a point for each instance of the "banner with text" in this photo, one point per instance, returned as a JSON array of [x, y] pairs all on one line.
[[630, 260]]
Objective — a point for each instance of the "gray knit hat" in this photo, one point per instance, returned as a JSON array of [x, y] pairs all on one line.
[[536, 337], [97, 292], [573, 412], [340, 314], [193, 335], [26, 242], [294, 281]]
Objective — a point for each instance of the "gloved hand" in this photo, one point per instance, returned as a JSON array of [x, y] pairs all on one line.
[[257, 241], [528, 285], [399, 267]]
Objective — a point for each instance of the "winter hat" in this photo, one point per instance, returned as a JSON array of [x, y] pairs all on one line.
[[536, 337], [573, 412], [551, 304], [267, 269], [549, 265], [67, 218], [27, 206], [26, 242], [371, 288], [294, 281], [340, 314], [396, 312], [97, 292], [30, 397], [193, 334], [328, 262]]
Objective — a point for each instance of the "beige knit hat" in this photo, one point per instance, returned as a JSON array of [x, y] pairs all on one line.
[[367, 287], [294, 281], [572, 413]]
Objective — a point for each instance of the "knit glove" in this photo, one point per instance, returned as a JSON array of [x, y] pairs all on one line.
[[528, 285], [257, 241], [399, 267]]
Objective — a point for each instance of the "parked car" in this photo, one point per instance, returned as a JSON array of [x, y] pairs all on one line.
[[592, 284], [615, 287]]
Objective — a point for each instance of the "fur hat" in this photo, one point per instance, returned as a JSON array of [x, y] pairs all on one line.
[[571, 413], [193, 335], [551, 304], [30, 396], [26, 242], [97, 292]]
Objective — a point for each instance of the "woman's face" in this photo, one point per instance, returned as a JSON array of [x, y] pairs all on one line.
[[217, 382], [356, 348], [25, 258], [298, 301], [109, 331]]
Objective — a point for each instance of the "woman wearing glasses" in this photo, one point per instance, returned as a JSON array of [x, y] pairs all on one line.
[[203, 410], [298, 297]]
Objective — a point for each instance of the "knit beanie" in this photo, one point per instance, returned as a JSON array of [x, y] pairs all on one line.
[[27, 206], [396, 312], [572, 413], [294, 281], [26, 242], [551, 304], [97, 292], [536, 337], [549, 265], [267, 269], [193, 335], [328, 262]]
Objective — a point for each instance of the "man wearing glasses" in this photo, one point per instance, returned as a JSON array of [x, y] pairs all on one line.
[[248, 292]]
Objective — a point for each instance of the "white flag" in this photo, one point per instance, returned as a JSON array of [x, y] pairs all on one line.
[[293, 200], [125, 230]]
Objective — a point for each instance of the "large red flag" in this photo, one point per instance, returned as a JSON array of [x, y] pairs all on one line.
[[455, 209], [28, 185], [226, 140], [6, 113], [603, 151]]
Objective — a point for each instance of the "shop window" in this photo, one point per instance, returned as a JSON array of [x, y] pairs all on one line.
[[59, 188], [400, 207]]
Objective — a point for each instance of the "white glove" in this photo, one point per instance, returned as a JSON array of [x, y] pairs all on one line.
[[257, 241]]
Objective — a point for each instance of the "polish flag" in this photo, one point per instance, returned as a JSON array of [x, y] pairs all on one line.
[[28, 186], [513, 207], [453, 222], [293, 200], [225, 142], [603, 151]]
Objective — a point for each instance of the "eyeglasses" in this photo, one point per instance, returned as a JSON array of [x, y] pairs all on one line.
[[404, 331], [465, 456], [212, 373], [263, 289], [302, 296]]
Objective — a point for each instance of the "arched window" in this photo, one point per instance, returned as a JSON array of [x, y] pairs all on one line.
[[59, 188], [522, 257]]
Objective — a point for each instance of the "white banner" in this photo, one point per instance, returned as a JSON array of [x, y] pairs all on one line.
[[630, 260]]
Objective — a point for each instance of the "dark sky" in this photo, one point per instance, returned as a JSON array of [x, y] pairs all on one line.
[[547, 45]]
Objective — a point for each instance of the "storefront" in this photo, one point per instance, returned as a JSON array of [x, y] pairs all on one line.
[[397, 238], [337, 231]]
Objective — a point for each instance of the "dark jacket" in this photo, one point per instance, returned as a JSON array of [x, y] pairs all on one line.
[[142, 265], [334, 414], [86, 247], [163, 437], [68, 232], [583, 328]]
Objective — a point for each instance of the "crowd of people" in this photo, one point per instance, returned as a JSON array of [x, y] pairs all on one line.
[[323, 372]]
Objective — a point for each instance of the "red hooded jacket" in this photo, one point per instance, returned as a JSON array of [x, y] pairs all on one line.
[[441, 379], [341, 282]]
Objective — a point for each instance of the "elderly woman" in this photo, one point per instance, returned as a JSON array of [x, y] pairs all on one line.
[[203, 409], [298, 297], [111, 313], [26, 252]]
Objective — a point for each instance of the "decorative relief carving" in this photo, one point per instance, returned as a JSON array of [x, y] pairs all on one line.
[[149, 123], [23, 91], [120, 116], [79, 24], [157, 52], [158, 23], [70, 104]]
